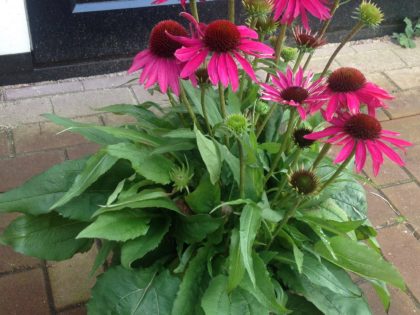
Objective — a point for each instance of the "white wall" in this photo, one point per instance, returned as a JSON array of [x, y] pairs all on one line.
[[14, 33]]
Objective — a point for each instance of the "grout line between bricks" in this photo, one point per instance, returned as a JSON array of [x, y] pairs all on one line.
[[20, 270], [391, 80], [48, 288]]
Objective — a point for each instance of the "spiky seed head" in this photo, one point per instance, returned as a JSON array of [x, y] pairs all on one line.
[[370, 14], [237, 123], [299, 137], [289, 53], [181, 177], [304, 182], [266, 25], [258, 8], [262, 108]]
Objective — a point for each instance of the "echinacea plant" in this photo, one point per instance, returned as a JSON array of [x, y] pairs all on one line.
[[225, 202]]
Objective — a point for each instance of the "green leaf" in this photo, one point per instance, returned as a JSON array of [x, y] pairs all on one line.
[[205, 197], [250, 222], [236, 267], [191, 288], [215, 300], [155, 168], [231, 160], [244, 303], [337, 227], [360, 259], [195, 228], [263, 289], [140, 292], [210, 155], [137, 248], [329, 302], [382, 292], [300, 306], [352, 199], [38, 194], [96, 166], [47, 236], [117, 226]]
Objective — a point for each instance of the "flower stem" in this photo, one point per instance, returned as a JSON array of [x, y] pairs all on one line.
[[222, 101], [203, 107], [349, 36], [284, 180], [231, 10], [265, 121], [321, 155], [187, 104], [338, 171], [173, 103], [194, 10], [290, 213], [277, 159], [298, 60], [241, 170], [323, 30]]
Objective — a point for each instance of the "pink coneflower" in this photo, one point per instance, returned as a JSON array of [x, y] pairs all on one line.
[[359, 132], [306, 40], [348, 87], [296, 90], [225, 42], [158, 62], [289, 10]]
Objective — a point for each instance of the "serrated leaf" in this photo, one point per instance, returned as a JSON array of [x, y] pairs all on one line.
[[205, 197], [210, 155], [215, 300], [155, 168], [96, 166], [190, 290], [250, 222], [361, 259], [47, 236], [135, 292], [137, 248], [117, 226], [38, 194]]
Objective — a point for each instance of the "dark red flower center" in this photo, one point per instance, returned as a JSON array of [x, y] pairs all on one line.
[[299, 137], [304, 182], [363, 127], [222, 36], [346, 80], [295, 93], [309, 41], [160, 44]]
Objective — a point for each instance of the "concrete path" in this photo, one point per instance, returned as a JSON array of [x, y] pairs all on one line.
[[29, 145]]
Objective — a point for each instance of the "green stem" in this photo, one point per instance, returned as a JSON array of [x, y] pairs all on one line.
[[284, 180], [298, 60], [287, 135], [222, 101], [194, 10], [203, 107], [349, 36], [321, 155], [231, 10], [279, 46], [290, 213], [241, 170], [173, 103], [265, 121], [338, 171], [189, 107]]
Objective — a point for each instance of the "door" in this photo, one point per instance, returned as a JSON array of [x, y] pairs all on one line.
[[70, 31]]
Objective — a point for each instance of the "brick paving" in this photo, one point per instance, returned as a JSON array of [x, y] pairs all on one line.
[[29, 145]]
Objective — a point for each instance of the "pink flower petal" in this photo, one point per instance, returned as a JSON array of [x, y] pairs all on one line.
[[360, 156], [345, 151]]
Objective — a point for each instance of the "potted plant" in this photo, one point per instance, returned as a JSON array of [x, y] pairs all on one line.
[[226, 202]]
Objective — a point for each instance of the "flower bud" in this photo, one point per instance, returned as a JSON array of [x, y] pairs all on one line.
[[262, 108], [304, 182], [237, 124], [258, 8], [289, 54], [181, 177], [299, 138], [370, 14]]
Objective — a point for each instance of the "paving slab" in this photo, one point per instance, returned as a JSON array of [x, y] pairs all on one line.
[[70, 280], [401, 248], [406, 78], [110, 81], [413, 161], [4, 144], [410, 56], [405, 104], [390, 173], [406, 199], [24, 293], [408, 127], [24, 111], [43, 89], [85, 103], [372, 61], [317, 64], [383, 81], [380, 212], [82, 150], [14, 172]]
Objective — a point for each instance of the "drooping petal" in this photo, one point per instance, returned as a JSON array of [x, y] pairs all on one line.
[[245, 65], [233, 72], [345, 151], [377, 159], [191, 66], [360, 156], [329, 131], [393, 156]]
